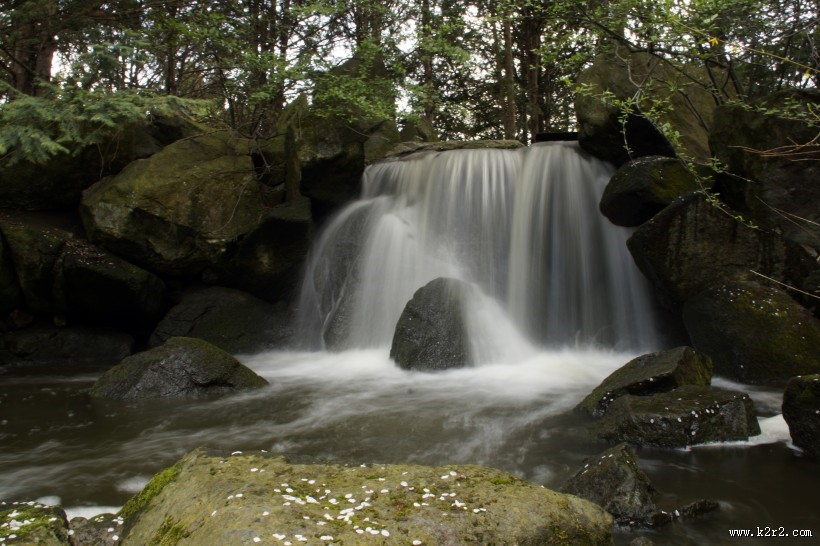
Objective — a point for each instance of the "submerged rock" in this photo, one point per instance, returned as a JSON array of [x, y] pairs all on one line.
[[33, 523], [650, 374], [613, 481], [683, 417], [430, 334], [801, 410], [754, 333], [181, 367], [232, 320], [232, 500]]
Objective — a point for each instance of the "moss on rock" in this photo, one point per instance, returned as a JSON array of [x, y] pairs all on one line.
[[801, 410], [33, 523]]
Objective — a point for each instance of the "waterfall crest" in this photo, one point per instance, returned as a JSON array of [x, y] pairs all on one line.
[[522, 225]]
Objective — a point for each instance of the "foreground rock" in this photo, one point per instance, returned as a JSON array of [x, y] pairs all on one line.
[[650, 374], [232, 320], [33, 523], [430, 334], [754, 333], [211, 500], [181, 367], [801, 410], [686, 416]]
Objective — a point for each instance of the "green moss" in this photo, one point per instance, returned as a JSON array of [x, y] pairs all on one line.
[[169, 533], [39, 522], [151, 490]]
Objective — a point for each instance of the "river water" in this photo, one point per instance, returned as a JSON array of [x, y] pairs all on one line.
[[557, 305]]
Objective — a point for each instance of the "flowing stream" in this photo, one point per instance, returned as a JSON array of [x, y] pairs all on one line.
[[557, 305]]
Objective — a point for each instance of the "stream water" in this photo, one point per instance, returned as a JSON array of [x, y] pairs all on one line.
[[558, 307]]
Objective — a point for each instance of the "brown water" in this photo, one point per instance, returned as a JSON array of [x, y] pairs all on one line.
[[358, 407]]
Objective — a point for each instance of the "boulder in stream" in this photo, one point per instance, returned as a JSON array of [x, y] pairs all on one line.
[[431, 334], [233, 500], [33, 523], [649, 374], [181, 367], [686, 416], [801, 410]]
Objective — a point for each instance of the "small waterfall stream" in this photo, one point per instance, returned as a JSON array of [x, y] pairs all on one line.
[[522, 225]]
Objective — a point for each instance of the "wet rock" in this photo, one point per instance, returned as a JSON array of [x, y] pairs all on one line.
[[178, 211], [33, 523], [692, 245], [754, 333], [234, 499], [101, 530], [686, 416], [69, 347], [11, 297], [430, 334], [649, 374], [182, 367], [234, 321], [643, 187], [406, 148], [801, 410], [613, 481], [764, 145]]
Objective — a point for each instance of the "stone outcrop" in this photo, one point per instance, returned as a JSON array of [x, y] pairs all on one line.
[[686, 416], [181, 367], [649, 374], [232, 320], [645, 186], [66, 348], [236, 499], [430, 334], [33, 523], [178, 211], [754, 333], [801, 410]]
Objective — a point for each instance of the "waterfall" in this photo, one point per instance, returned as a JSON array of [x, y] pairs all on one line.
[[521, 225]]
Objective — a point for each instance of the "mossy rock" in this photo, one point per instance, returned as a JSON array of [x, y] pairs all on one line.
[[181, 367], [10, 295], [178, 211], [801, 410], [645, 186], [33, 523], [649, 374], [754, 333], [686, 416], [232, 500], [407, 148]]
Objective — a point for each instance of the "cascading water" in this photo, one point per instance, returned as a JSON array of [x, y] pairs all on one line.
[[522, 225]]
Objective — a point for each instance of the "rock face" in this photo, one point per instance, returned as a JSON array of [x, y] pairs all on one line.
[[692, 245], [33, 523], [232, 320], [776, 182], [649, 374], [619, 72], [43, 346], [177, 211], [686, 416], [801, 410], [754, 333], [643, 187], [181, 367], [613, 481], [212, 500], [430, 334]]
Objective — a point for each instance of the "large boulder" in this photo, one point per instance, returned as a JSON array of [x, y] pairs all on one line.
[[754, 333], [239, 499], [694, 244], [645, 186], [181, 367], [686, 416], [801, 410], [773, 152], [51, 346], [431, 332], [58, 183], [33, 523], [621, 75], [178, 211], [11, 297], [234, 321], [649, 374]]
